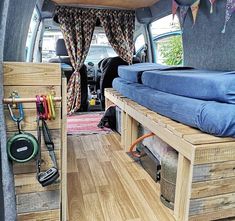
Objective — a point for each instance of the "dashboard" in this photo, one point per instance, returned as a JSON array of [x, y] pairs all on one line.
[[92, 72]]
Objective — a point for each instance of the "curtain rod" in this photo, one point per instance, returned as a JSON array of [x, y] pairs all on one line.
[[96, 7]]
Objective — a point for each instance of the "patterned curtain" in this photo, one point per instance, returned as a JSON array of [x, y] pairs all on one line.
[[119, 26], [77, 26]]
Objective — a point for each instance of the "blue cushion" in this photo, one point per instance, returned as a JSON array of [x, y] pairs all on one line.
[[209, 116], [133, 72], [204, 85]]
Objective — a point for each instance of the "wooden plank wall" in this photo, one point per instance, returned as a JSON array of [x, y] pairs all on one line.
[[35, 202], [213, 187]]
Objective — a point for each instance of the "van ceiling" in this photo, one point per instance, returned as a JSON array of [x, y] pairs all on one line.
[[131, 4]]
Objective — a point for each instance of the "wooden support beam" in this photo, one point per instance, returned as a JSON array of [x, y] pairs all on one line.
[[183, 188], [134, 130], [123, 127], [128, 132], [64, 151]]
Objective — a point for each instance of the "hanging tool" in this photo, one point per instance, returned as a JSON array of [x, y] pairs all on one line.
[[21, 147], [50, 175]]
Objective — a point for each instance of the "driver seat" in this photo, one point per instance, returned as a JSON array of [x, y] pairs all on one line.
[[63, 58], [109, 71]]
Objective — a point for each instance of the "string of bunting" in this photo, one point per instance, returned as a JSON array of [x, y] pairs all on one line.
[[183, 10]]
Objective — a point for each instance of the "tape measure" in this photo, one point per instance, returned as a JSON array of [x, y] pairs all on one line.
[[21, 147]]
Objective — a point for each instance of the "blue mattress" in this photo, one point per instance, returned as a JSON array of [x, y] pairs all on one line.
[[209, 116], [133, 72], [203, 85]]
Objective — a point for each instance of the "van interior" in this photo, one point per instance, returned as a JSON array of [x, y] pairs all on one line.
[[117, 110]]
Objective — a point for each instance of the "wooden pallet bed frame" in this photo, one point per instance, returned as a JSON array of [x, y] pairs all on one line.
[[205, 187]]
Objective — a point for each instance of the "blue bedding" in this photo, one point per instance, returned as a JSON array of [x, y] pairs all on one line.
[[133, 72], [204, 85], [209, 116]]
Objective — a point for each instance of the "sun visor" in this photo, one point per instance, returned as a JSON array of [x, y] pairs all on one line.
[[48, 9], [156, 11]]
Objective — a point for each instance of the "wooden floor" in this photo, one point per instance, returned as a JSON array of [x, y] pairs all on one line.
[[105, 184]]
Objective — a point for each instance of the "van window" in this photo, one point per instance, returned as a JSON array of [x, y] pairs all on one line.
[[139, 42], [49, 44], [33, 27], [167, 41], [99, 49]]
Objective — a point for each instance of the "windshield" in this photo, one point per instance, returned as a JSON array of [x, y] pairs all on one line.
[[99, 49], [98, 52]]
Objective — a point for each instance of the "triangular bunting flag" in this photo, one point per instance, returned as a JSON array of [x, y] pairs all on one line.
[[183, 13], [175, 6], [194, 9], [212, 3], [230, 8]]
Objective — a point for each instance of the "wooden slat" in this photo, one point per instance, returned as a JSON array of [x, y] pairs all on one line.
[[203, 138], [218, 152], [29, 123], [213, 188], [182, 130], [132, 4], [27, 183], [114, 100], [212, 204], [51, 215], [212, 171], [29, 74], [218, 215], [32, 91], [39, 201]]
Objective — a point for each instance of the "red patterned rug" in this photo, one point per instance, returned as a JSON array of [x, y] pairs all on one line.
[[85, 123]]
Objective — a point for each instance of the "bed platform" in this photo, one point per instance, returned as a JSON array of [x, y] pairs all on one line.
[[205, 188]]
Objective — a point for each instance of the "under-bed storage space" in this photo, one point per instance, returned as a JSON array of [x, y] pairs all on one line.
[[205, 187]]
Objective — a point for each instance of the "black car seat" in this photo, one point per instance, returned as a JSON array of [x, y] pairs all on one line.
[[109, 70], [63, 58]]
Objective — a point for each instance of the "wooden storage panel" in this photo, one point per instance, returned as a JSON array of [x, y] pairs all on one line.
[[205, 187], [35, 202]]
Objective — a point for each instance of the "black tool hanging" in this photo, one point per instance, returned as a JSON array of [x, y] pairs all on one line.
[[21, 147], [50, 175]]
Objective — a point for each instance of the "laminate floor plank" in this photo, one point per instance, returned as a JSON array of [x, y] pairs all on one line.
[[76, 207], [107, 185], [85, 177], [108, 204], [125, 205], [93, 209]]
